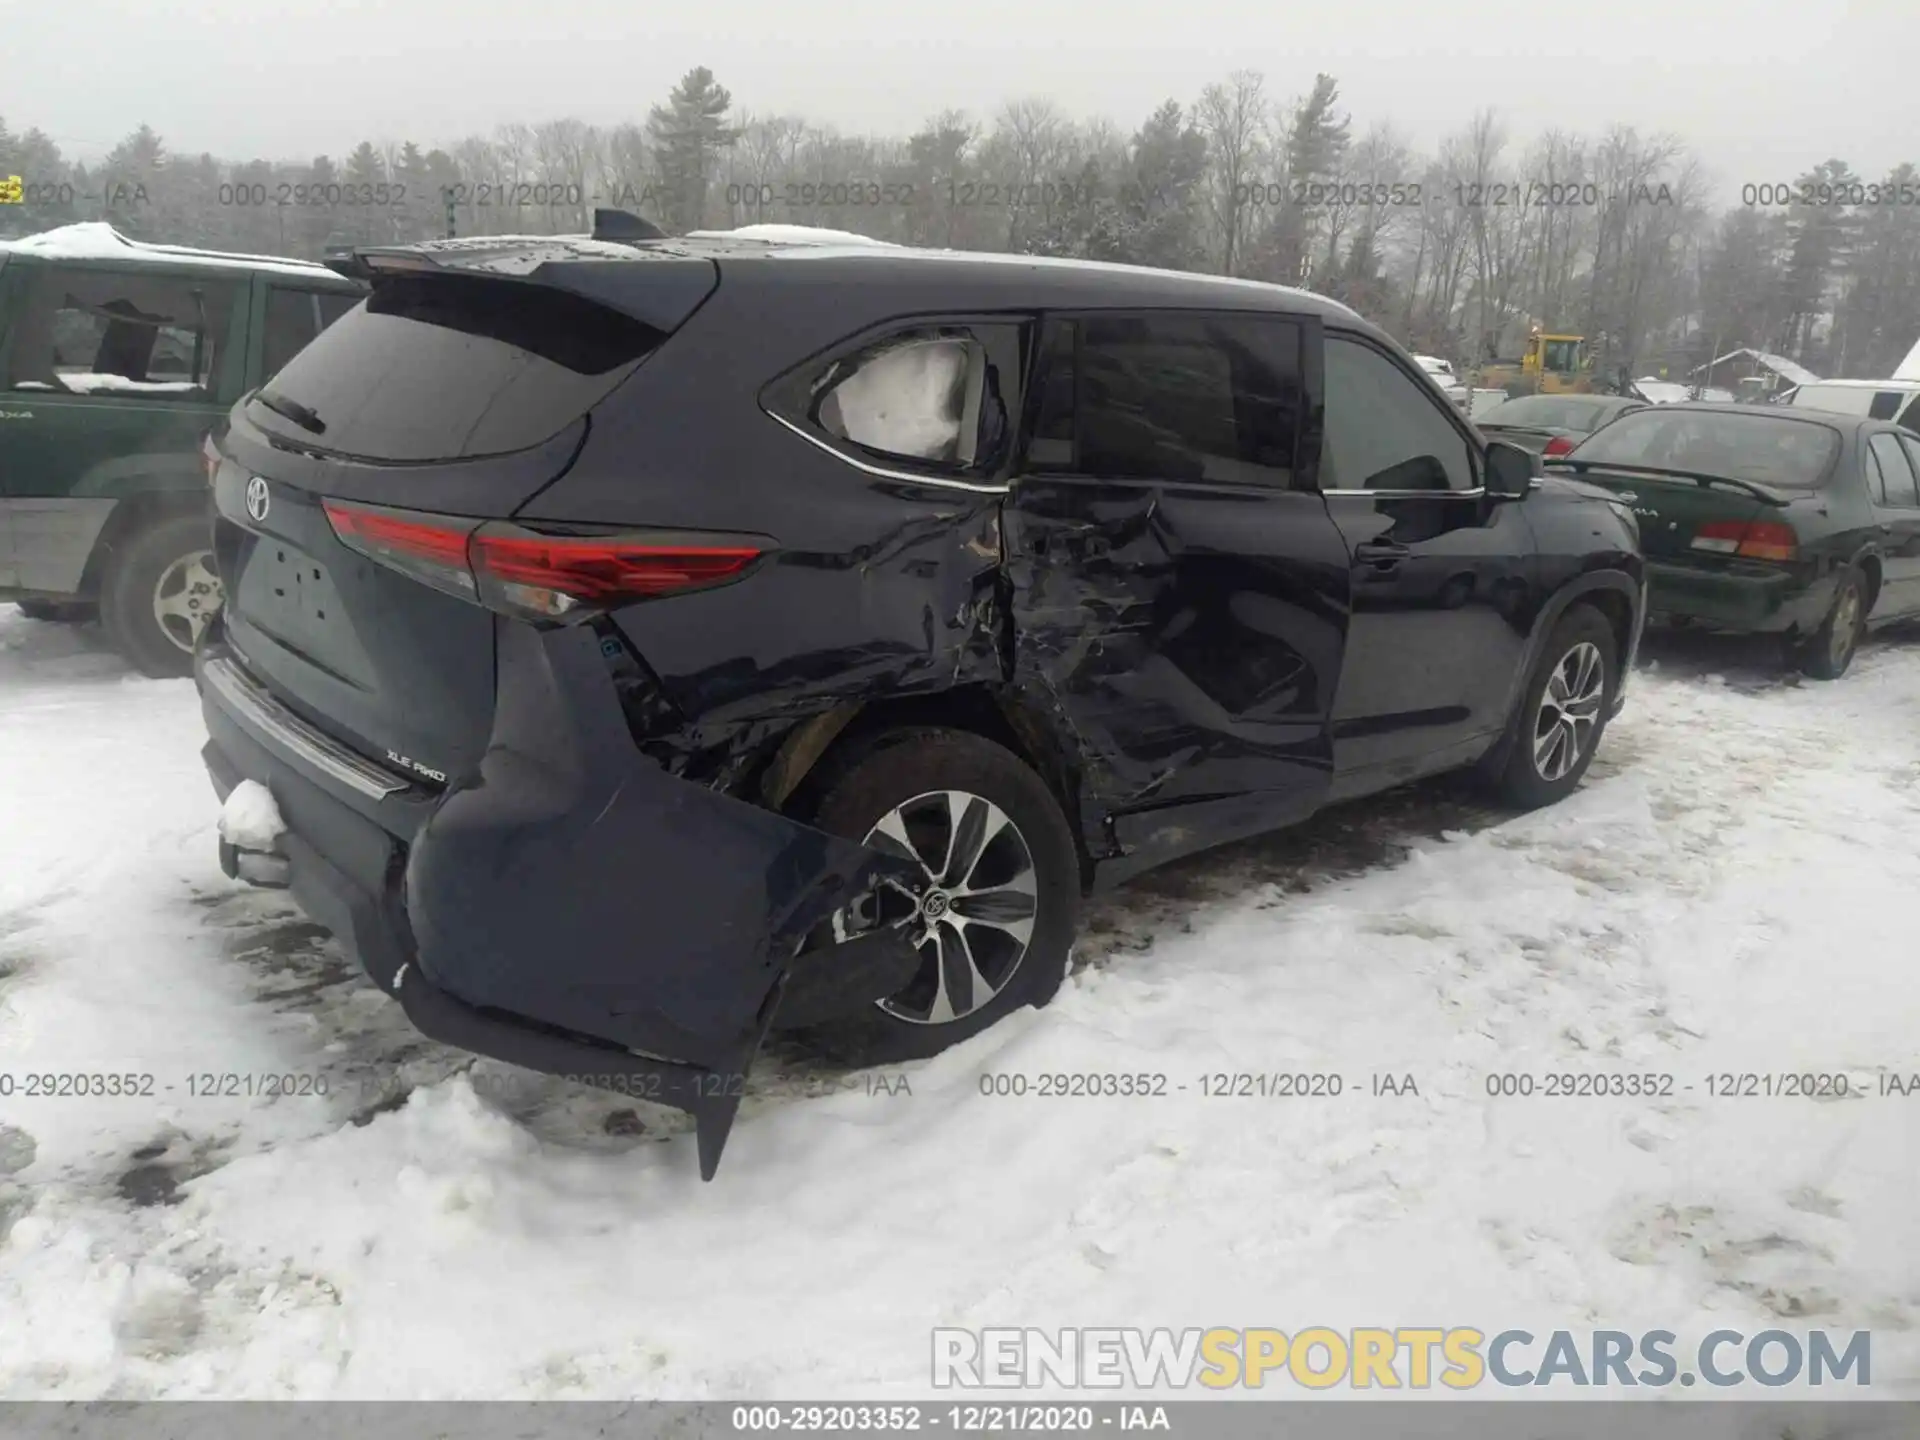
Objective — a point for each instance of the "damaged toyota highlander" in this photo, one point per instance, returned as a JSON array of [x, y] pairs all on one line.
[[647, 644]]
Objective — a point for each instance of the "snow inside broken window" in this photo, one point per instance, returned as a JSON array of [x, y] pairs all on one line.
[[910, 397]]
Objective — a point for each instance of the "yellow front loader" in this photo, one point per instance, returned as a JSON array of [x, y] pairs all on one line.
[[1550, 365]]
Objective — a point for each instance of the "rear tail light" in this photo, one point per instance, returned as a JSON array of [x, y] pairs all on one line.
[[430, 548], [1558, 445], [536, 576], [1752, 539], [209, 457]]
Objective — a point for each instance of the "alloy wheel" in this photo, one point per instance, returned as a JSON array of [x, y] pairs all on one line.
[[187, 595], [971, 916], [1846, 627], [1569, 711]]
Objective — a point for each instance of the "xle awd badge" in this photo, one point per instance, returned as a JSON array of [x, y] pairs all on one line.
[[257, 501]]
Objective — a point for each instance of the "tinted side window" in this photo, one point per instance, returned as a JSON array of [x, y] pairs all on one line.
[[1903, 491], [1384, 429], [1910, 420], [1172, 397], [1876, 479], [1886, 405], [88, 332], [293, 319]]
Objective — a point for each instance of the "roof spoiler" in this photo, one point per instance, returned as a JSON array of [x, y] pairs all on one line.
[[363, 262], [345, 260], [624, 225]]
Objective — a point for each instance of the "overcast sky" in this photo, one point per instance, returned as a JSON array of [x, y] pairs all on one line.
[[1761, 88]]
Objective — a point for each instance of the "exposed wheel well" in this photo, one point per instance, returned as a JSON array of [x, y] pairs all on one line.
[[1870, 569], [1617, 612], [982, 710], [131, 516]]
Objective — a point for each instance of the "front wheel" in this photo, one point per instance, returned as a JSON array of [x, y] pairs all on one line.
[[160, 592], [993, 911], [1563, 712]]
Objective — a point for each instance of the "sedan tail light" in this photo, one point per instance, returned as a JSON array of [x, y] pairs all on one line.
[[536, 575], [1752, 539], [1558, 445]]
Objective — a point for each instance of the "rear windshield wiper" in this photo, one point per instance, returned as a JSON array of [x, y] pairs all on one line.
[[1698, 477], [307, 419]]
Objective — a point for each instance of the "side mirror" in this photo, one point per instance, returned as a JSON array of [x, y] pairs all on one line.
[[1510, 470]]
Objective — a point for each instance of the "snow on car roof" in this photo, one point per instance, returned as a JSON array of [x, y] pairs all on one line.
[[1779, 364], [791, 235], [98, 240]]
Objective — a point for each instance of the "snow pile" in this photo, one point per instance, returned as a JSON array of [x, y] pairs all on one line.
[[98, 240], [1729, 893], [250, 820]]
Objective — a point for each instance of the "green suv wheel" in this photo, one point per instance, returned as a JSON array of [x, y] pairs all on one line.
[[160, 592]]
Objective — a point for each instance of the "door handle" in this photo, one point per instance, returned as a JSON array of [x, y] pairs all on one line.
[[1381, 554]]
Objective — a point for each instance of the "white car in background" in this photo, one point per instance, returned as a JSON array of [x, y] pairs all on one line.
[[1443, 376]]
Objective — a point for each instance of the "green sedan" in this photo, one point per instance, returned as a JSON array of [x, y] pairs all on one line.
[[1762, 520]]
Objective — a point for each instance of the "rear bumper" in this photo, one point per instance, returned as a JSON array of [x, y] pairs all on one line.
[[574, 910], [1748, 600]]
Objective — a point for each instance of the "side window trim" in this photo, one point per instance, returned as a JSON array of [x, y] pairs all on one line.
[[1305, 456], [1912, 463], [789, 395], [1911, 444], [1476, 460]]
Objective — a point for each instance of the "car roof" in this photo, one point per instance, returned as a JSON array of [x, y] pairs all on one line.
[[963, 278], [97, 242]]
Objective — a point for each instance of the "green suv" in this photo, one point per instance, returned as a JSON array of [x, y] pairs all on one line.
[[116, 359]]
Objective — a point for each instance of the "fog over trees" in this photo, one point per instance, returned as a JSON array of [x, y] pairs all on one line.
[[1612, 233]]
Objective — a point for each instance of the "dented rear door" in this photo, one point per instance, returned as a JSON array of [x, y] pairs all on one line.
[[1177, 601]]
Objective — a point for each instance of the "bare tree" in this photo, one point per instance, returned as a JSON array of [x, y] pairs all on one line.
[[1233, 116]]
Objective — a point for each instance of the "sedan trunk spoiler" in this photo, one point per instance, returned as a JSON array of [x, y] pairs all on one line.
[[1762, 493]]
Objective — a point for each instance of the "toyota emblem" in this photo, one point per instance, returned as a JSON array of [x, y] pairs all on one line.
[[257, 499]]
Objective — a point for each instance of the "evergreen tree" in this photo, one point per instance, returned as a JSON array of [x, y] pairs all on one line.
[[688, 134]]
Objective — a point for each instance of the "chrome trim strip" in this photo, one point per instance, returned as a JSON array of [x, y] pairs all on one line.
[[1472, 494], [287, 730], [881, 471]]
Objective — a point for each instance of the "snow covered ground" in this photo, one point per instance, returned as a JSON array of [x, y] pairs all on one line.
[[1731, 891]]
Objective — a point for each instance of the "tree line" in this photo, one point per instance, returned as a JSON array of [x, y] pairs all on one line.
[[1612, 234]]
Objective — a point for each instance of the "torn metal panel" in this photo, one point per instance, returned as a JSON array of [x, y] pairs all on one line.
[[686, 907], [1190, 636]]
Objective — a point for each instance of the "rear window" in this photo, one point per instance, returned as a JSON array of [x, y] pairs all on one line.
[[1753, 445], [451, 367], [1552, 412]]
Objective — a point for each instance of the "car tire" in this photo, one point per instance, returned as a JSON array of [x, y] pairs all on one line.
[[903, 778], [58, 612], [1566, 701], [153, 578], [1828, 653]]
